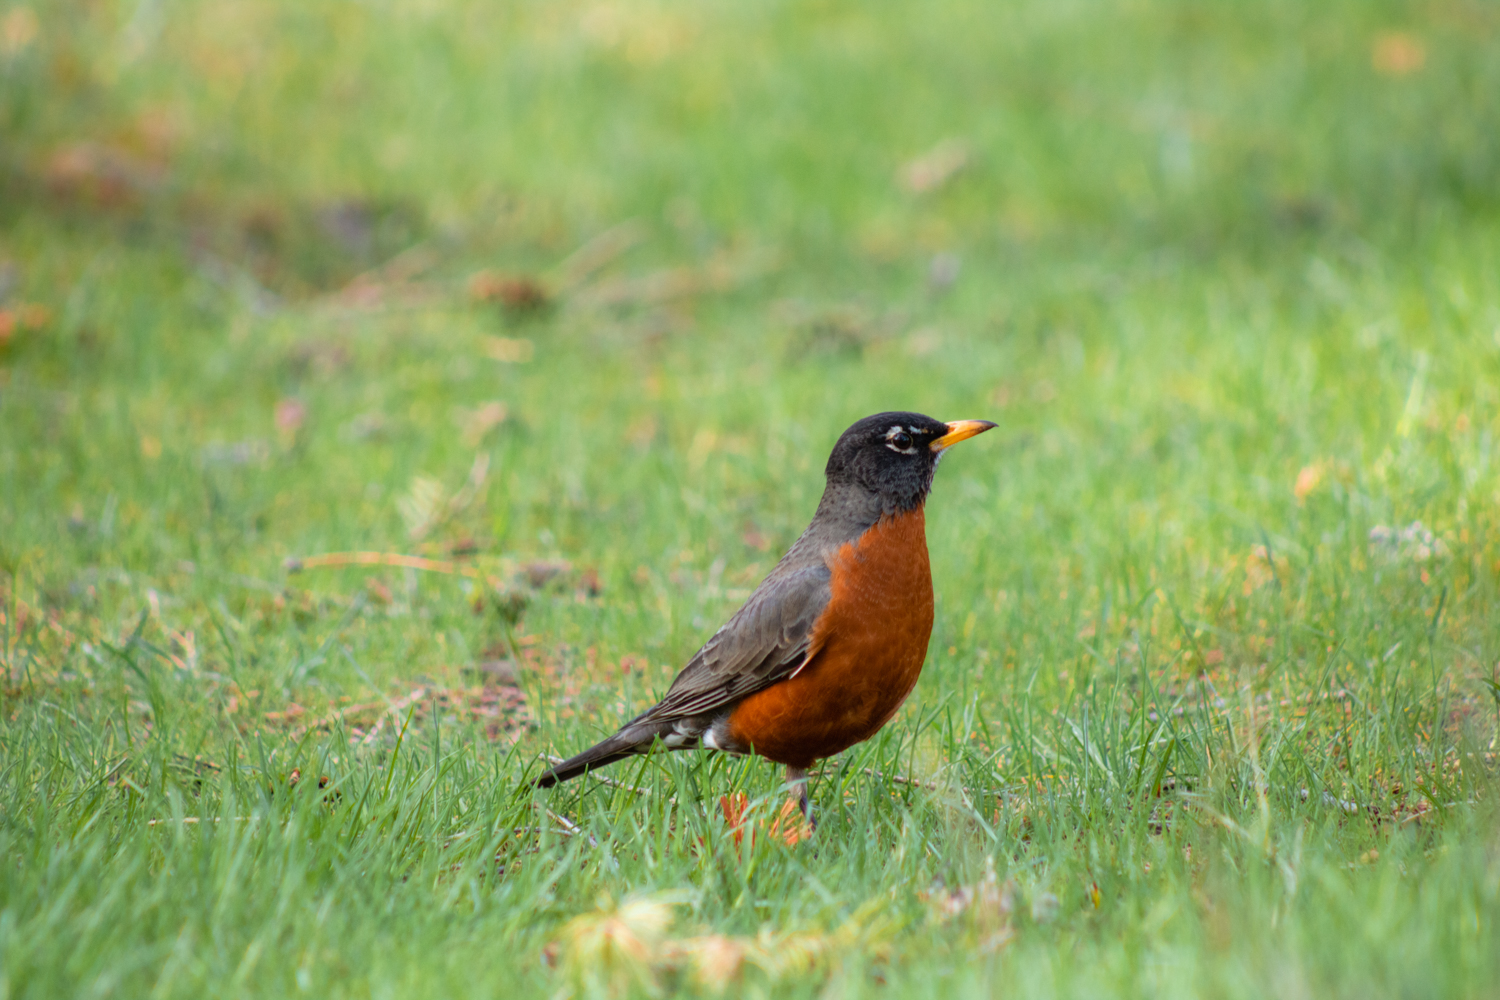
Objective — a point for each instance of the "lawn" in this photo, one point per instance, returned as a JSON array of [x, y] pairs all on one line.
[[395, 394]]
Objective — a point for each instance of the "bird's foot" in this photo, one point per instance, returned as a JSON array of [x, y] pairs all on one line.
[[793, 825], [796, 779]]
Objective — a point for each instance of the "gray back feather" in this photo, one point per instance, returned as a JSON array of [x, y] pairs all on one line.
[[771, 635]]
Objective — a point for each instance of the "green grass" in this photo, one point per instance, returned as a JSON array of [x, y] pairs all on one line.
[[1206, 712]]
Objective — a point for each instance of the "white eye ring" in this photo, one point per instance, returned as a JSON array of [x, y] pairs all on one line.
[[900, 441]]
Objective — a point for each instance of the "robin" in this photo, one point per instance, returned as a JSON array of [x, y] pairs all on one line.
[[832, 641]]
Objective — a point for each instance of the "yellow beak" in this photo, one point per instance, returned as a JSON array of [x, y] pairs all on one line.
[[960, 430]]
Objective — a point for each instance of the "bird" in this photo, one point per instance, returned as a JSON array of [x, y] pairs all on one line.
[[827, 648]]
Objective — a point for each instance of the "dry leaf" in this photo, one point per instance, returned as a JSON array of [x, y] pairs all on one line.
[[476, 423], [497, 671], [614, 949], [22, 316], [513, 293], [935, 168], [425, 508], [543, 572], [589, 583], [716, 960], [923, 342], [101, 175], [18, 30], [509, 350], [1261, 569], [1308, 480], [1397, 53], [422, 505], [290, 415], [641, 431]]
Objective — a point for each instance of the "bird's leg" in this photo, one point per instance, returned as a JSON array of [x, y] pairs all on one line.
[[796, 779]]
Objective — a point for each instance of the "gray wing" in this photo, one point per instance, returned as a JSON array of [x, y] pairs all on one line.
[[766, 640]]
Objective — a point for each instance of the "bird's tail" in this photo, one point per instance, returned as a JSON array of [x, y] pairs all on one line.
[[619, 746]]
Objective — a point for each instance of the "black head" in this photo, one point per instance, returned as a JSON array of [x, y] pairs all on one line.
[[893, 455]]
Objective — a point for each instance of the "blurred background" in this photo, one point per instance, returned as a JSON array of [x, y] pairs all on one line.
[[303, 145]]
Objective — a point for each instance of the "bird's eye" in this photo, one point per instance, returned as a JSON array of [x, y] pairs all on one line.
[[901, 441]]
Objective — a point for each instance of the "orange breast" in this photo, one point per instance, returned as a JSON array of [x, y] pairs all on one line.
[[868, 649]]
